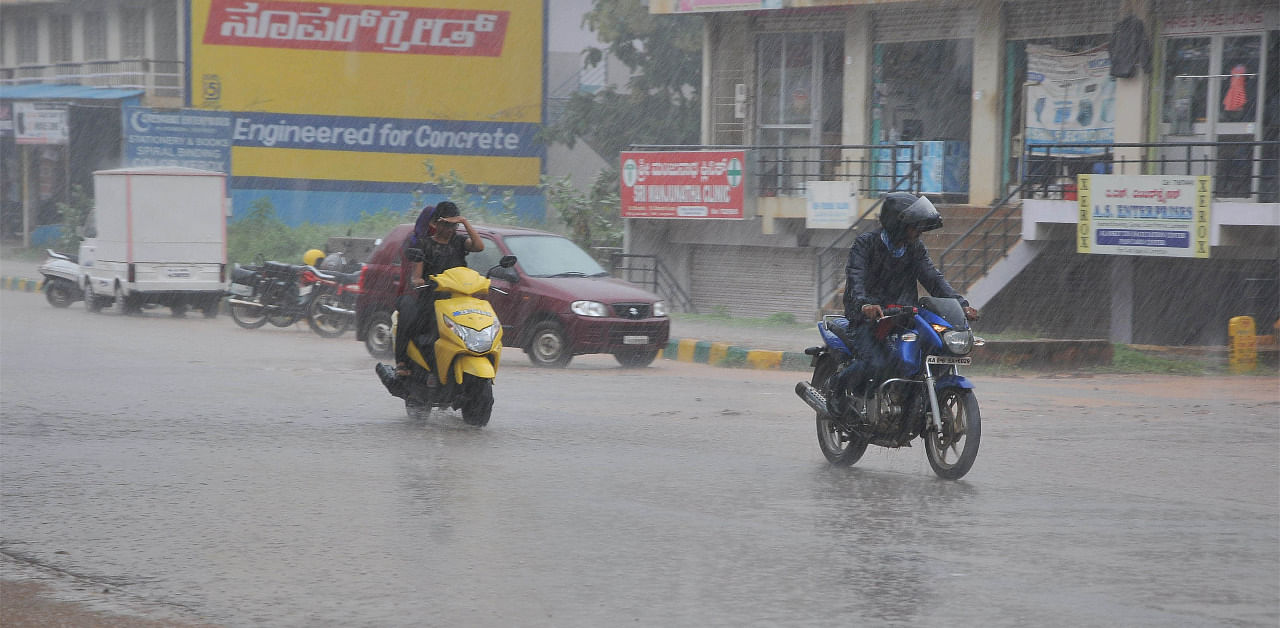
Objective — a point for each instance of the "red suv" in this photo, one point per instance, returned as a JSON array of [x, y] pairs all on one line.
[[555, 303]]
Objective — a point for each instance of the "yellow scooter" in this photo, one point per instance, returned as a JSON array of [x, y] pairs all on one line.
[[467, 348]]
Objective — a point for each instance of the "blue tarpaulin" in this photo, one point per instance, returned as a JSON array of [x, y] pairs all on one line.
[[65, 92]]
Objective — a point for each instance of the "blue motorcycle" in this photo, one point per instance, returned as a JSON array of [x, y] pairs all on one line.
[[923, 395]]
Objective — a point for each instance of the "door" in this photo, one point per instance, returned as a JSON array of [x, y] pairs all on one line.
[[1212, 88]]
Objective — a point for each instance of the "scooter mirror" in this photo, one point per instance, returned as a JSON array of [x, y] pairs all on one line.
[[507, 261]]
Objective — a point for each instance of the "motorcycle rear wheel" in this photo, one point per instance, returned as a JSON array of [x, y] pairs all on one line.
[[479, 403], [951, 453], [840, 446], [248, 316]]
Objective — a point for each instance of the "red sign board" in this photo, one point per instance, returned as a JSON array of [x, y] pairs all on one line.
[[689, 184]]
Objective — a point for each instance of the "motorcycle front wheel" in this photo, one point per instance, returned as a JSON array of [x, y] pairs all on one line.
[[840, 446], [952, 451], [323, 320], [248, 316]]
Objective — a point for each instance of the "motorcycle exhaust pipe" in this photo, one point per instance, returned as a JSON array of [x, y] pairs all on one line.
[[812, 397], [242, 302], [333, 309]]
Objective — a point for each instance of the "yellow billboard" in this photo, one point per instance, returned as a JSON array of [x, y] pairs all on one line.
[[342, 102]]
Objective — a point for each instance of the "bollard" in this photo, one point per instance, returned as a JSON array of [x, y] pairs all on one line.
[[1244, 344]]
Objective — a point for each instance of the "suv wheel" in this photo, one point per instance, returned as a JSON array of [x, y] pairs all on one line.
[[548, 345], [379, 341], [636, 358]]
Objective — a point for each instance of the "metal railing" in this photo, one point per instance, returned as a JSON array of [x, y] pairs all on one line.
[[1240, 170], [159, 78], [783, 170], [983, 244], [647, 270]]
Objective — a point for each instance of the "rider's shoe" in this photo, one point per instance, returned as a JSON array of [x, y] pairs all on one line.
[[395, 385]]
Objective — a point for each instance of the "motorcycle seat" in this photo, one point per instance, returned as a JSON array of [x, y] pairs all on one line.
[[840, 327]]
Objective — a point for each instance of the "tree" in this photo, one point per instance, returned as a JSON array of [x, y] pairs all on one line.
[[660, 104]]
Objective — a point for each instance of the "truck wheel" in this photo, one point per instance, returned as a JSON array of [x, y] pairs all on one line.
[[548, 345], [92, 302], [379, 341], [179, 310], [60, 293]]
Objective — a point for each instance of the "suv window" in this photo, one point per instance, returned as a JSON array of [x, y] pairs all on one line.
[[484, 260]]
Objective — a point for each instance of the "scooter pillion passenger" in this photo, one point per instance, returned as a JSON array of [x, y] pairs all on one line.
[[466, 348]]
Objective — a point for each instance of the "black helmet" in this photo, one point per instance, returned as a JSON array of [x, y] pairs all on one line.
[[902, 209]]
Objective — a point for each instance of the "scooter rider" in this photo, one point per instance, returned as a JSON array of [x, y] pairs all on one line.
[[883, 269], [438, 248]]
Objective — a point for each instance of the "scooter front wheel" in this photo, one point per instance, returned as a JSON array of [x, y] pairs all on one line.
[[479, 403]]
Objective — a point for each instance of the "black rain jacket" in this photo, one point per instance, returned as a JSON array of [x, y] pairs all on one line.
[[875, 276]]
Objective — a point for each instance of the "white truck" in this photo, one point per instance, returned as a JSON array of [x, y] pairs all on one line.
[[157, 236]]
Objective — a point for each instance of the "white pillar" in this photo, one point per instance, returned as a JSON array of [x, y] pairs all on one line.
[[1121, 299], [856, 101], [985, 120]]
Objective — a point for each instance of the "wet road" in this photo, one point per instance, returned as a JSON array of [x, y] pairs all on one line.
[[262, 477]]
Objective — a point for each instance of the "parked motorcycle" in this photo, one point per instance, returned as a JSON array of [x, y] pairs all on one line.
[[62, 279], [333, 310], [926, 397], [271, 292], [466, 348]]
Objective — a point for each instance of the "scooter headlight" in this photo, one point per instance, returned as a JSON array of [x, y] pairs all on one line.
[[476, 340], [958, 342]]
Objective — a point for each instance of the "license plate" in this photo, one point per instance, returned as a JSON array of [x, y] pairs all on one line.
[[178, 273], [942, 359], [635, 340], [240, 290]]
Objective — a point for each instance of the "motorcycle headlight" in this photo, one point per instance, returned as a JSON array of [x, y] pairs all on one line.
[[958, 342], [476, 340], [593, 309], [660, 308]]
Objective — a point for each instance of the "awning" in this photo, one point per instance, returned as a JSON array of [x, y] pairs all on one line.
[[38, 91]]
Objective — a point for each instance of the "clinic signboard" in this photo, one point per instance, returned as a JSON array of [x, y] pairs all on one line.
[[336, 106], [1147, 215], [683, 184]]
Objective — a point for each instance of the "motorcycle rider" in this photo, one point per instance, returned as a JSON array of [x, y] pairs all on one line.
[[883, 269], [441, 247]]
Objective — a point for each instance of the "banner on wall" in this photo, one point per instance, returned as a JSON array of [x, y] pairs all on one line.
[[683, 184], [336, 106], [829, 205], [1148, 215], [1070, 99], [185, 137], [40, 122]]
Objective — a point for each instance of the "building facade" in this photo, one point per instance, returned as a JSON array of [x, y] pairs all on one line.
[[981, 105]]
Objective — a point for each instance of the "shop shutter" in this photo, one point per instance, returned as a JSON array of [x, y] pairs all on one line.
[[754, 281], [1036, 19], [925, 23]]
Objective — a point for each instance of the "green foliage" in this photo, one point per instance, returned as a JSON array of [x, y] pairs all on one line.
[[1126, 359], [261, 232], [479, 203], [592, 219], [660, 104], [782, 318], [73, 217]]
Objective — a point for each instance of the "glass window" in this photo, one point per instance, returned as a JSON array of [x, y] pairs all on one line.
[[28, 44], [552, 256], [482, 261], [59, 37], [1241, 57], [1185, 98], [133, 36], [95, 35]]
